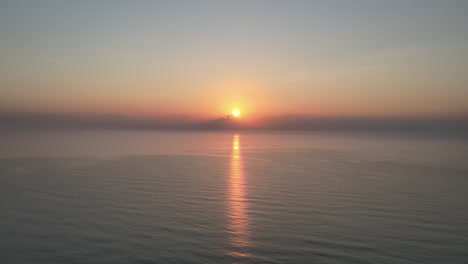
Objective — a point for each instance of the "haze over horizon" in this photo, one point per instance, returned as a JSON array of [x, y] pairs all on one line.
[[233, 131], [199, 60]]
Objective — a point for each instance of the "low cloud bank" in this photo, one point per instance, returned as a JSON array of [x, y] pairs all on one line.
[[33, 121]]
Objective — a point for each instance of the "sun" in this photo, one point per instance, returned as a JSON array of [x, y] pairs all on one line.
[[235, 112]]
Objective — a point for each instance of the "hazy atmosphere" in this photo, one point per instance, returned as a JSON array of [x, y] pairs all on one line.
[[200, 59], [233, 132]]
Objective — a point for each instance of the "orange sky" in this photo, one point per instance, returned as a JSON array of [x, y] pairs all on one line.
[[267, 58]]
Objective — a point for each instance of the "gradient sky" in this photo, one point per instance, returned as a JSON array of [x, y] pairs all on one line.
[[202, 58]]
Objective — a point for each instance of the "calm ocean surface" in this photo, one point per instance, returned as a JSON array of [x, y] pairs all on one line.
[[160, 197]]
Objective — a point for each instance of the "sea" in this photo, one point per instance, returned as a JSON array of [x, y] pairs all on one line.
[[232, 197]]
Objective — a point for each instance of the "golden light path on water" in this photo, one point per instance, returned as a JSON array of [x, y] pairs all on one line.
[[237, 204]]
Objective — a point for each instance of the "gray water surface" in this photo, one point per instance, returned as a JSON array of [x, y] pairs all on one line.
[[232, 198]]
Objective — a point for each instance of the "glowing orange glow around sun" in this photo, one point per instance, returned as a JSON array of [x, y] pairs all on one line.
[[236, 112]]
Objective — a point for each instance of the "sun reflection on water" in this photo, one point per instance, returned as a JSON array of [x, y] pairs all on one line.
[[237, 204]]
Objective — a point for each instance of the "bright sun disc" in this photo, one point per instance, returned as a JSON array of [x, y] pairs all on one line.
[[236, 112]]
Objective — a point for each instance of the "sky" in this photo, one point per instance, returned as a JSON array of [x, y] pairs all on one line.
[[371, 58]]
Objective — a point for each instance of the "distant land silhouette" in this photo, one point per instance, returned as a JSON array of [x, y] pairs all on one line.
[[225, 122], [35, 121]]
